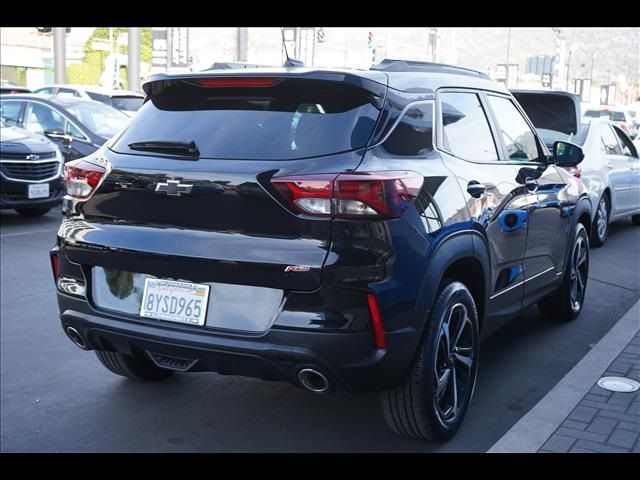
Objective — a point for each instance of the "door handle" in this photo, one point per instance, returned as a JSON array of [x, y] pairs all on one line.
[[476, 189], [531, 184]]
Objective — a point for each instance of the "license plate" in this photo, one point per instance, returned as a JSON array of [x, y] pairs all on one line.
[[40, 190], [179, 302]]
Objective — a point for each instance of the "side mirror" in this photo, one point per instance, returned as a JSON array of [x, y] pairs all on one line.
[[567, 154], [60, 135]]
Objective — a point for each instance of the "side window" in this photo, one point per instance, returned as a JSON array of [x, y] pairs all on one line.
[[413, 135], [466, 130], [40, 118], [44, 91], [609, 140], [75, 131], [518, 137], [628, 148], [98, 97], [10, 112]]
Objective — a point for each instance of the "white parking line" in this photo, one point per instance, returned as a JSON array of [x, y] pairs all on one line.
[[28, 233]]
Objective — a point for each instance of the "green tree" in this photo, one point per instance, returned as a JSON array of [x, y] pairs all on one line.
[[88, 72]]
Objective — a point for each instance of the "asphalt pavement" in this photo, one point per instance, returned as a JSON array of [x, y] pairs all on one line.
[[55, 397]]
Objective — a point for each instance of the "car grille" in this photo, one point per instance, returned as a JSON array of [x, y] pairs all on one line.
[[27, 156], [30, 171]]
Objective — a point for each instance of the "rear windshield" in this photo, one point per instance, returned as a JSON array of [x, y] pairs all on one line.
[[129, 104], [295, 118], [613, 116]]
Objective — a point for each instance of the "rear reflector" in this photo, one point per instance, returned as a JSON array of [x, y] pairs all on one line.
[[55, 266], [237, 82], [82, 178], [376, 321], [351, 195]]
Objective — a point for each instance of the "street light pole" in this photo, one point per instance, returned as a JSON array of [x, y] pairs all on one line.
[[507, 67], [133, 58], [59, 60]]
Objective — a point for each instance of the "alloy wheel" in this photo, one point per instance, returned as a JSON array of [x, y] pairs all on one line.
[[454, 361], [602, 220], [579, 270]]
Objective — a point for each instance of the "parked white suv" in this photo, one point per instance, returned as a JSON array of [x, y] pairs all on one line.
[[610, 169], [124, 100]]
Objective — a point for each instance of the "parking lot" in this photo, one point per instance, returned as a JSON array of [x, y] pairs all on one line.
[[57, 398]]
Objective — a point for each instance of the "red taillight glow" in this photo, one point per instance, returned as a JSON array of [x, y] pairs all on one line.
[[376, 321], [82, 178], [351, 195], [575, 171], [236, 82], [55, 267]]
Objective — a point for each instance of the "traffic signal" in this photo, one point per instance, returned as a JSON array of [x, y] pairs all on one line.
[[370, 43]]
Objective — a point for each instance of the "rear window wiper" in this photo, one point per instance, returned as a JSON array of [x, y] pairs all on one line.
[[162, 146]]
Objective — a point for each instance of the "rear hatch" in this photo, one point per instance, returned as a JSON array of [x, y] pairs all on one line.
[[556, 115], [188, 194]]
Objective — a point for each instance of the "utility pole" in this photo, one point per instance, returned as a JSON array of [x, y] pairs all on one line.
[[133, 58], [59, 58], [242, 44], [508, 48]]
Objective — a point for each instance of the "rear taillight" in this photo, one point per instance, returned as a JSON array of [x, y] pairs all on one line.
[[351, 195], [82, 178], [575, 171]]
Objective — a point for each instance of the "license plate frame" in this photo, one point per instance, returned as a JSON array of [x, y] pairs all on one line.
[[38, 190], [165, 304]]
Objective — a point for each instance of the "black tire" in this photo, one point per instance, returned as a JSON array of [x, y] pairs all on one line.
[[132, 367], [566, 303], [416, 408], [600, 228], [32, 212], [635, 219]]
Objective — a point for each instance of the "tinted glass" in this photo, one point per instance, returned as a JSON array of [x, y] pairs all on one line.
[[610, 141], [466, 129], [99, 118], [67, 92], [41, 118], [292, 119], [592, 113], [413, 135], [46, 90], [616, 116], [517, 135], [10, 112], [130, 104], [98, 97]]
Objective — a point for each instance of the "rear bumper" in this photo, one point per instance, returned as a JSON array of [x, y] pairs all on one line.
[[348, 359]]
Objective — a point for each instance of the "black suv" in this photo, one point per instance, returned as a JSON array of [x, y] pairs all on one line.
[[330, 228]]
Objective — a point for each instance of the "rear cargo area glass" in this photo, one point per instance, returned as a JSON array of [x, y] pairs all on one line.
[[291, 119]]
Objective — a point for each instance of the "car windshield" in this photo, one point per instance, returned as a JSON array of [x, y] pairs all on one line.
[[99, 118], [130, 104]]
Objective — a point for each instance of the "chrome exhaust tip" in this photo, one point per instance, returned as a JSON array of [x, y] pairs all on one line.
[[313, 380], [76, 338]]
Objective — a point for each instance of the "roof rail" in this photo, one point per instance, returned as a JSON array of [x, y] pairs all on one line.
[[392, 65]]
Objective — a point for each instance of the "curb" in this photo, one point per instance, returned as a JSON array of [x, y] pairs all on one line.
[[531, 431]]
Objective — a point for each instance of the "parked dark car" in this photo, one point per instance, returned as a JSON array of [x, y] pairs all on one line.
[[79, 127], [413, 211], [30, 172]]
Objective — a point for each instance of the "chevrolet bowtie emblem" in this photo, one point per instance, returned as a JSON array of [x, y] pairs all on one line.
[[173, 188]]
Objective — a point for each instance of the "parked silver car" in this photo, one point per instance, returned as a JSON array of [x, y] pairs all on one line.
[[126, 101], [610, 169]]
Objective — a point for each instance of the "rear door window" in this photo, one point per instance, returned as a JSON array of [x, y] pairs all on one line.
[[466, 131], [610, 141], [294, 118]]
